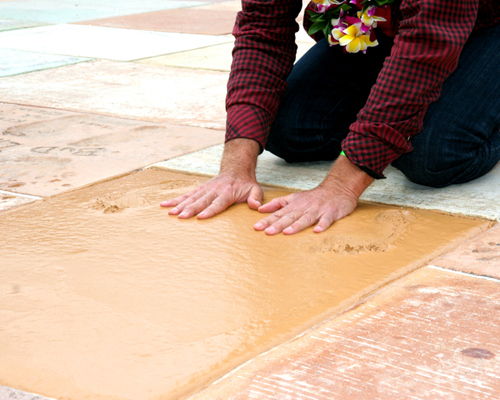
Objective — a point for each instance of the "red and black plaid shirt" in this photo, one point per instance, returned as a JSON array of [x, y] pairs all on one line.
[[428, 43]]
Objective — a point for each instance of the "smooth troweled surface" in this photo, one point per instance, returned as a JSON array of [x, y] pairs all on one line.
[[106, 297]]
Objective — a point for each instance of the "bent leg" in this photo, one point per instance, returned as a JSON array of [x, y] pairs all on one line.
[[461, 136], [325, 91]]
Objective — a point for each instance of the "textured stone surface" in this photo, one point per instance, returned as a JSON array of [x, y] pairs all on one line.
[[11, 199], [7, 393], [127, 90], [183, 20], [63, 11], [103, 42], [44, 151], [479, 197], [216, 57], [8, 24], [480, 255], [431, 335], [18, 61]]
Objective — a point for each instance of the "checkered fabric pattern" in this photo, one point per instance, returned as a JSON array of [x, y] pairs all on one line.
[[428, 43]]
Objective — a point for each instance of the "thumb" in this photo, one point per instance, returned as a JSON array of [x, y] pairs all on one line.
[[255, 197]]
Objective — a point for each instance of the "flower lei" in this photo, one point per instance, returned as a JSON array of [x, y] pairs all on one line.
[[348, 23]]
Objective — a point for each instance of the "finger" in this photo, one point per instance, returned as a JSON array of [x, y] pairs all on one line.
[[274, 205], [197, 206], [282, 223], [186, 202], [218, 205], [255, 197], [267, 221], [324, 223], [173, 202], [302, 223]]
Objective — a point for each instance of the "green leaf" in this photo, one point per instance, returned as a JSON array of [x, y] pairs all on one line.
[[316, 27]]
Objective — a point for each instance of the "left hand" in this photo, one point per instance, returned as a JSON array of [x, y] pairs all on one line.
[[321, 206]]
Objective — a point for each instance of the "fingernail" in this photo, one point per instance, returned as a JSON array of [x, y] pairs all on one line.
[[271, 230], [183, 214], [288, 230], [258, 225], [173, 211]]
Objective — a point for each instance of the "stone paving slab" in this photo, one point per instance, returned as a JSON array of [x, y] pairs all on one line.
[[131, 90], [480, 255], [9, 24], [430, 335], [44, 152], [103, 42], [12, 199], [64, 11], [218, 57], [116, 300], [17, 61], [478, 198], [234, 5], [183, 20], [7, 393]]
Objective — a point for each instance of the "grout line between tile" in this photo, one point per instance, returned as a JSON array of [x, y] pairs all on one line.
[[26, 196], [488, 278]]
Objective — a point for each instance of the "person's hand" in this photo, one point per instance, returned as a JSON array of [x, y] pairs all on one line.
[[236, 183], [320, 207], [335, 198], [215, 196]]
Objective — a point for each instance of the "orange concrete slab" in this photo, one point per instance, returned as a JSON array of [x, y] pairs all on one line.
[[181, 20], [131, 90], [46, 151], [106, 297], [480, 255], [431, 335]]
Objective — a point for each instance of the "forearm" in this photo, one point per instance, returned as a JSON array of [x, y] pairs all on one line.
[[240, 158]]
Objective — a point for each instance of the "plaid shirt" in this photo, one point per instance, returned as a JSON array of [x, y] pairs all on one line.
[[428, 43]]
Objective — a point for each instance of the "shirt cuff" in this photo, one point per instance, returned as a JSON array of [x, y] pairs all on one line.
[[369, 153], [248, 122]]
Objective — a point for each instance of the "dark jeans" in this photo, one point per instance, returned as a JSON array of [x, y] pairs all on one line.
[[460, 140]]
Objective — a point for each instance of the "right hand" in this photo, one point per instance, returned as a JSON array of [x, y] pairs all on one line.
[[215, 196]]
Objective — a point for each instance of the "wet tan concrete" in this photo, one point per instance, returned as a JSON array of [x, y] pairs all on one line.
[[431, 336], [130, 90], [47, 151], [480, 255], [106, 297], [182, 20]]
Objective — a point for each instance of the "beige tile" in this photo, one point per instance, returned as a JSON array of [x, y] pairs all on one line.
[[104, 42], [431, 335], [181, 20], [216, 57], [11, 200], [234, 5], [116, 300], [146, 92], [46, 151], [480, 255]]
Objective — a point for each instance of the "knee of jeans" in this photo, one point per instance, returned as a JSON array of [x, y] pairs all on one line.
[[418, 170]]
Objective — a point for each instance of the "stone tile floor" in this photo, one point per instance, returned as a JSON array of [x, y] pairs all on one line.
[[137, 90]]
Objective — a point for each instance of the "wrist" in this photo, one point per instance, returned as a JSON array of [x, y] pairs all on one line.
[[346, 176], [239, 158]]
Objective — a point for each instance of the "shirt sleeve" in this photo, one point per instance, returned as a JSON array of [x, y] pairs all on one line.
[[426, 50], [263, 56]]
